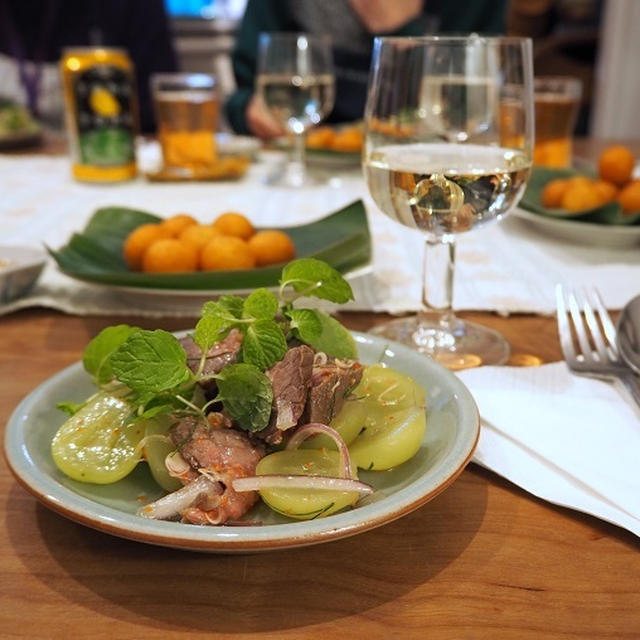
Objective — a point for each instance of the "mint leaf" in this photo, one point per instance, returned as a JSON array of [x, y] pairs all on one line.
[[263, 344], [70, 408], [151, 362], [208, 331], [332, 338], [305, 324], [246, 395], [96, 359], [312, 277], [226, 306], [261, 303], [155, 411]]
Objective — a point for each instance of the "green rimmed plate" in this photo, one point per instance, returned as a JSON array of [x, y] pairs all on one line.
[[603, 226], [95, 255], [452, 432], [607, 214]]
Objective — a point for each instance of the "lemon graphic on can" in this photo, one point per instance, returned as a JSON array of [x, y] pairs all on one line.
[[104, 103]]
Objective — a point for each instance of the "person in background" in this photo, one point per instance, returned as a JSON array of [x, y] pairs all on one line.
[[352, 24], [33, 34]]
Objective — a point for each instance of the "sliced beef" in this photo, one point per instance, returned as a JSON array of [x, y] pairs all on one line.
[[220, 455], [218, 357], [331, 383], [215, 449], [290, 381]]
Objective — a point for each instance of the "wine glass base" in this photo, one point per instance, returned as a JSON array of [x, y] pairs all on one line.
[[470, 345]]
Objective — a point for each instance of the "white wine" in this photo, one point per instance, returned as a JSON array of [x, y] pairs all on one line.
[[457, 107], [446, 188], [298, 102]]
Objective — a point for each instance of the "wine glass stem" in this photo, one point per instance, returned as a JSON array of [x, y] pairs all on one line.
[[297, 167], [437, 284]]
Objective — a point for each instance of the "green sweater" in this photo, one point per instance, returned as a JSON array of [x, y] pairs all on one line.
[[351, 63]]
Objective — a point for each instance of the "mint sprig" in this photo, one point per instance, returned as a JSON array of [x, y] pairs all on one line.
[[97, 355], [311, 277], [152, 365], [151, 361]]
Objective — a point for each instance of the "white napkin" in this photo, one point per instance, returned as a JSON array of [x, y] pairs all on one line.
[[571, 440]]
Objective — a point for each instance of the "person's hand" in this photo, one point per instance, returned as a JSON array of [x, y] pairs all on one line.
[[380, 16], [260, 122]]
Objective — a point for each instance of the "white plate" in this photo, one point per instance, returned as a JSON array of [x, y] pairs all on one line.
[[191, 300], [602, 235], [20, 267], [453, 428]]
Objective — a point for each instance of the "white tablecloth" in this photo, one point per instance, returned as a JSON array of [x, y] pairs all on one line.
[[506, 267]]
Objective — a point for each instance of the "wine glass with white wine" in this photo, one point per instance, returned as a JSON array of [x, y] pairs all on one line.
[[296, 83], [448, 148]]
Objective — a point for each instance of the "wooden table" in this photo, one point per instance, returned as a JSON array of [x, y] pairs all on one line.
[[482, 560]]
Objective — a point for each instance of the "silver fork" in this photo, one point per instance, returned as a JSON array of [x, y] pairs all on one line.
[[594, 351]]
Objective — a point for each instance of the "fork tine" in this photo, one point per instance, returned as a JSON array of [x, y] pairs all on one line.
[[564, 328], [607, 323], [594, 327], [579, 327]]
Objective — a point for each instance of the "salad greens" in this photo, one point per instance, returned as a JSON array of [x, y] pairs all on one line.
[[149, 368]]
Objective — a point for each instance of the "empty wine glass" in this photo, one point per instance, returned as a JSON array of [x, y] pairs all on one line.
[[448, 148], [296, 83]]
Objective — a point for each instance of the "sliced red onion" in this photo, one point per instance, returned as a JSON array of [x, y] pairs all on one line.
[[176, 465], [175, 503], [317, 427], [281, 481]]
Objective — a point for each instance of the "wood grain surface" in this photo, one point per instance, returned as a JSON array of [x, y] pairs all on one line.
[[484, 559]]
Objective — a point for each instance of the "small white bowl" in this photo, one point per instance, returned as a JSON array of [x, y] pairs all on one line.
[[20, 267]]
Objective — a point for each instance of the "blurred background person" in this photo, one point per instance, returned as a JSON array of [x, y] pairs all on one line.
[[352, 24], [34, 33]]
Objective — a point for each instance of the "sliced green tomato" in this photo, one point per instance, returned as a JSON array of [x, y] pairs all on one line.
[[98, 444], [385, 422], [157, 447], [348, 423], [389, 389], [304, 504], [391, 438]]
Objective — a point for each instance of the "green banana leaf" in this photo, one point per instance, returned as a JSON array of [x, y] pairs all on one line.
[[95, 255], [610, 214]]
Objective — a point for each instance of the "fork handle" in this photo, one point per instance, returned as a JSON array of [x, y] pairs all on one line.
[[632, 384]]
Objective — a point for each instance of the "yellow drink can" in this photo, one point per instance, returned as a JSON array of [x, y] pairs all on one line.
[[102, 113]]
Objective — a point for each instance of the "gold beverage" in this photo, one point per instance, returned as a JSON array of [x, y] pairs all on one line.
[[446, 188], [187, 121], [101, 108], [555, 120]]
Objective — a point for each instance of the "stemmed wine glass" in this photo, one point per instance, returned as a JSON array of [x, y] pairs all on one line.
[[448, 148], [296, 83]]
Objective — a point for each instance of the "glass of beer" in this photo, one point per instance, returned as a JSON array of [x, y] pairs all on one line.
[[557, 99], [187, 108]]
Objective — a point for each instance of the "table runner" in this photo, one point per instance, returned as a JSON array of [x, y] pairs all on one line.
[[506, 267]]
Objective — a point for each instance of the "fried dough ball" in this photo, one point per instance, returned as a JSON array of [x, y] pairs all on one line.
[[198, 235], [607, 190], [553, 192], [226, 252], [138, 241], [616, 164], [348, 140], [170, 255], [176, 224], [629, 197], [581, 196], [234, 224], [321, 138], [271, 247]]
